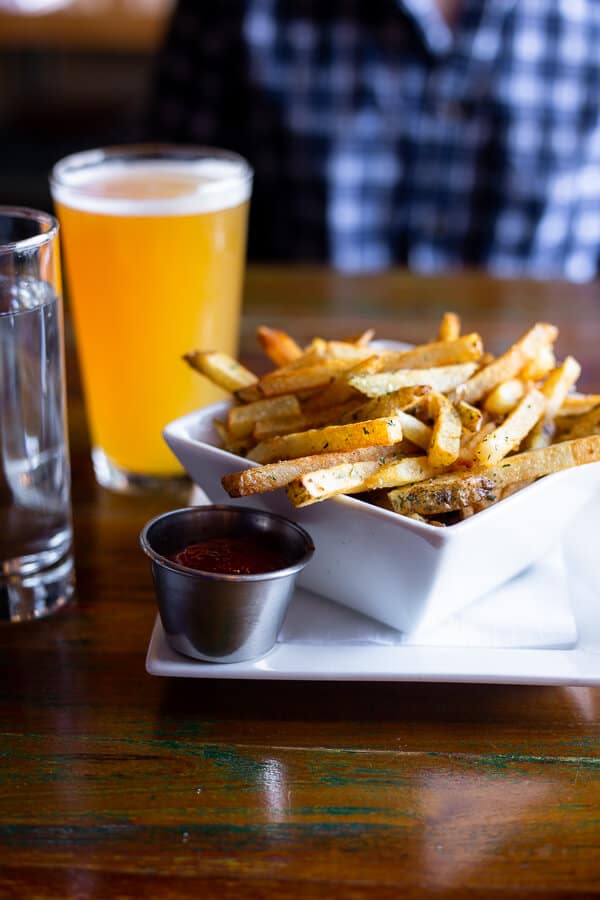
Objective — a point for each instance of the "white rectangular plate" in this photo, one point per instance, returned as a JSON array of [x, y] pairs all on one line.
[[344, 662], [334, 661]]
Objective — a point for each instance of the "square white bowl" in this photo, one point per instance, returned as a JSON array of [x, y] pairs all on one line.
[[405, 573]]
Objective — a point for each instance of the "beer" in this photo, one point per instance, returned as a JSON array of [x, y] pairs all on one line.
[[154, 254]]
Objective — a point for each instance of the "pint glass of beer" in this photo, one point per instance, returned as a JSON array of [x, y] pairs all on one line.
[[154, 241]]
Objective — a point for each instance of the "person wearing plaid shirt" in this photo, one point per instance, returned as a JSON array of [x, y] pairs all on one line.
[[436, 135]]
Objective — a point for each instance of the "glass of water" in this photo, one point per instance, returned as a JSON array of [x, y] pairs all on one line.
[[36, 567]]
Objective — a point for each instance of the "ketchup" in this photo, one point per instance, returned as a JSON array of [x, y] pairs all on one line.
[[232, 556]]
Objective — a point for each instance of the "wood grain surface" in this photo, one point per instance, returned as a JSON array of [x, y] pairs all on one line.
[[117, 784]]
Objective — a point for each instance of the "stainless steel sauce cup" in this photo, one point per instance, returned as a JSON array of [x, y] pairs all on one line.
[[217, 617]]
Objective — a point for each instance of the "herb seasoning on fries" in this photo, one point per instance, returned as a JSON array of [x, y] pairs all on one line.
[[438, 432]]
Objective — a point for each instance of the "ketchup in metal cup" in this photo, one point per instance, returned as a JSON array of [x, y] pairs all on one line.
[[232, 556]]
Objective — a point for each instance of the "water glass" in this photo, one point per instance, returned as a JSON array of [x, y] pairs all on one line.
[[36, 567]]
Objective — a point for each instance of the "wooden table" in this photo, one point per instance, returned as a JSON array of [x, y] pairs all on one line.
[[117, 784]]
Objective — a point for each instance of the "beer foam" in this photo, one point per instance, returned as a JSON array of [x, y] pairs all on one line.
[[153, 187]]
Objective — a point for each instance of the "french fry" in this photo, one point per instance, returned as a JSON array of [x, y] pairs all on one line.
[[577, 404], [222, 369], [440, 378], [537, 368], [444, 446], [241, 420], [444, 493], [438, 432], [457, 490], [364, 338], [351, 478], [584, 425], [314, 353], [320, 350], [470, 441], [351, 352], [481, 504], [558, 384], [373, 432], [387, 404], [499, 443], [339, 391], [470, 416], [268, 428], [414, 430], [317, 349], [449, 327], [270, 477], [556, 387], [239, 446], [439, 353], [507, 365], [302, 379], [504, 397], [514, 488], [278, 346]]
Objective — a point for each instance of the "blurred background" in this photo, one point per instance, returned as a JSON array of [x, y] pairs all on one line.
[[393, 146], [75, 74]]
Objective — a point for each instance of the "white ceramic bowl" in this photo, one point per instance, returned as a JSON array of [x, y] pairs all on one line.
[[405, 573]]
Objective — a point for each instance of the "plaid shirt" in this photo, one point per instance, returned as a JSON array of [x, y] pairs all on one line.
[[379, 136]]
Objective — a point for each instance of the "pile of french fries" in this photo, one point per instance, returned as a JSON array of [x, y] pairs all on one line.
[[437, 432]]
